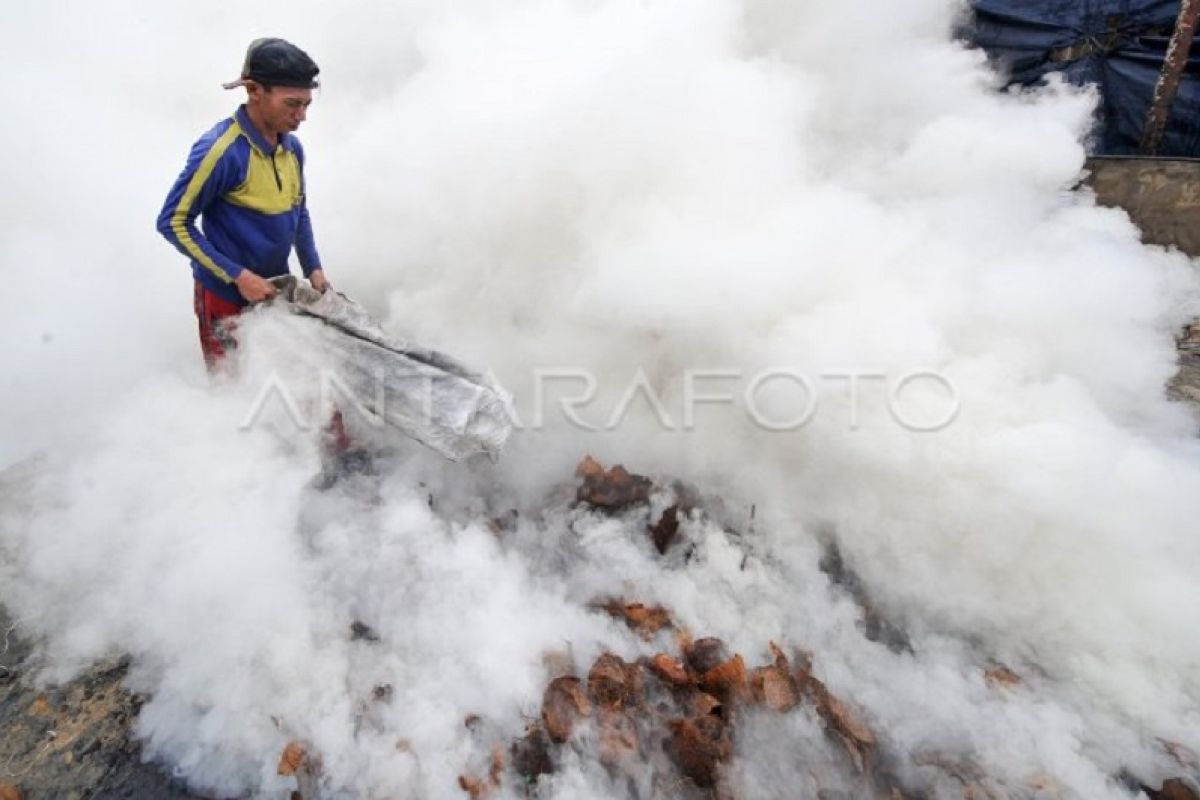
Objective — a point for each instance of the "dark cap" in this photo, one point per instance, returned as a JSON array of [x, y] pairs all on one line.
[[276, 62]]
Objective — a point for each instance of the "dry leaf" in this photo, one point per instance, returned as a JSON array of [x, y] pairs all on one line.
[[10, 792]]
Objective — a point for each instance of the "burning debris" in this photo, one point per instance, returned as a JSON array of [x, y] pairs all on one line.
[[672, 722], [563, 705], [482, 787], [774, 686], [531, 754], [876, 627], [362, 632], [1175, 789], [646, 621], [671, 671], [674, 714], [664, 532], [298, 761], [613, 489], [294, 757], [1002, 677]]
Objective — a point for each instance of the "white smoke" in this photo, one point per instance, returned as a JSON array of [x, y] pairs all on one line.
[[603, 188]]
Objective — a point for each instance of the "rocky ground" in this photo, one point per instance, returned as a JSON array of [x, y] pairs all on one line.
[[72, 741]]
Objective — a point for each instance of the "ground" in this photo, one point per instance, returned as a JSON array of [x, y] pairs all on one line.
[[73, 741]]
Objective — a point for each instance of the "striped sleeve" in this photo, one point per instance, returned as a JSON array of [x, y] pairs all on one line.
[[306, 245], [206, 176]]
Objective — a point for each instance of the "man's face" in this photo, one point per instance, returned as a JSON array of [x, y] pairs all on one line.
[[282, 108]]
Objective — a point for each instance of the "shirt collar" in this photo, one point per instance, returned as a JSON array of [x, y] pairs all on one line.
[[256, 138]]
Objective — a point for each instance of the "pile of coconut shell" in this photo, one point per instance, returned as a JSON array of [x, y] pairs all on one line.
[[667, 725], [670, 719], [674, 714]]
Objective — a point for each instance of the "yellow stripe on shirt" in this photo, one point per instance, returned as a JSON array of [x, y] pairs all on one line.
[[179, 218]]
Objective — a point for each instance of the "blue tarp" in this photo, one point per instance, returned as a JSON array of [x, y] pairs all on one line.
[[1118, 45]]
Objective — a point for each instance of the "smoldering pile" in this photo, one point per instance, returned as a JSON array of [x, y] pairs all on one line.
[[671, 723]]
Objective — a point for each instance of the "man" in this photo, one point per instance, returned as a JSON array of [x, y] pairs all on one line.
[[245, 180]]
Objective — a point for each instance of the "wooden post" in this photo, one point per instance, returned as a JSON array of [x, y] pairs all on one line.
[[1168, 82]]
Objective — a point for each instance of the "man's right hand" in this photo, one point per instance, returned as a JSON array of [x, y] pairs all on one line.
[[253, 287]]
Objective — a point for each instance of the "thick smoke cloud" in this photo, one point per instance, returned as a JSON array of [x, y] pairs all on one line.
[[693, 193]]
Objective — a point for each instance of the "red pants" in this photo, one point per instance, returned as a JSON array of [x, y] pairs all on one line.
[[217, 324]]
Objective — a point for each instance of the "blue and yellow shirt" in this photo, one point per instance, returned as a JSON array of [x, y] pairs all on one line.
[[251, 203]]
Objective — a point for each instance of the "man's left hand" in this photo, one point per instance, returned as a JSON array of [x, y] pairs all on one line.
[[318, 281]]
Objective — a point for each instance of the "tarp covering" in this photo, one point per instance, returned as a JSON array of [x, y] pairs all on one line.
[[1117, 45], [426, 395]]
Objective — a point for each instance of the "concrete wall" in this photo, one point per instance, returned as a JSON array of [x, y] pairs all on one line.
[[1161, 195]]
